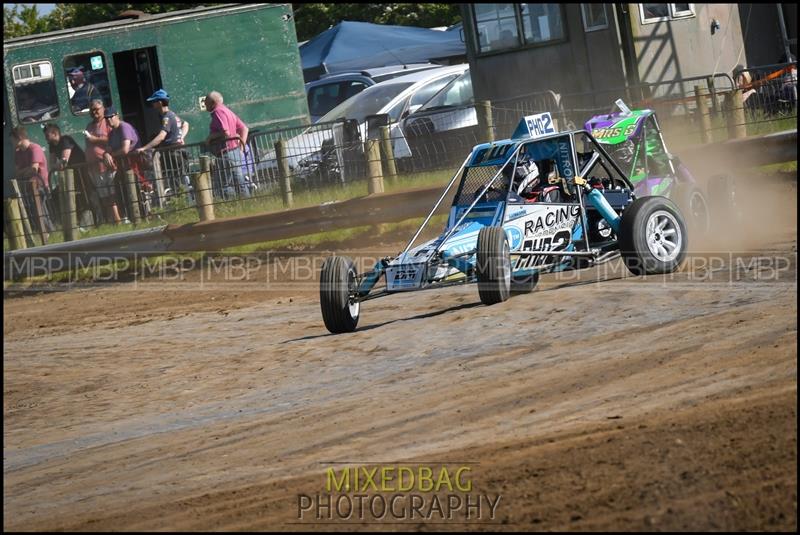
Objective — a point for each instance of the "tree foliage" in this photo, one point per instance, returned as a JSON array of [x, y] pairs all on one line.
[[20, 20], [310, 19]]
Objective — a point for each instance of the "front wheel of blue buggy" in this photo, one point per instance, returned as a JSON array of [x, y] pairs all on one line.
[[493, 265], [337, 295]]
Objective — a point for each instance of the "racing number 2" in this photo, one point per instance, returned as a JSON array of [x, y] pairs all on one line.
[[558, 242]]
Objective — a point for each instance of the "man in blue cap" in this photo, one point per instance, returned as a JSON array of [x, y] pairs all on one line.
[[84, 91], [172, 133], [173, 130]]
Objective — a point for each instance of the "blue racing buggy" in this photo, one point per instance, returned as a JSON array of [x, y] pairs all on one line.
[[540, 202]]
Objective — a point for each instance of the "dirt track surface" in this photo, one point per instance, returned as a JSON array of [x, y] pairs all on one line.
[[594, 403]]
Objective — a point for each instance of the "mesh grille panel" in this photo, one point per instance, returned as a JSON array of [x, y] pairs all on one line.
[[473, 182]]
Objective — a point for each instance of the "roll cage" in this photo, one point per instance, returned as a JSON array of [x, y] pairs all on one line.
[[498, 155], [501, 154]]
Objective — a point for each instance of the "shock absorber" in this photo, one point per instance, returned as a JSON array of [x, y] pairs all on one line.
[[600, 203]]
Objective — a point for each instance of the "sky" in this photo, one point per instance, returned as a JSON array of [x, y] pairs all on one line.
[[44, 9]]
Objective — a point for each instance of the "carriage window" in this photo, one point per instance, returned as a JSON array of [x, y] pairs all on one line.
[[35, 92], [86, 76]]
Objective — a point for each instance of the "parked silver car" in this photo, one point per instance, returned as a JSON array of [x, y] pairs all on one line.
[[331, 90], [394, 100]]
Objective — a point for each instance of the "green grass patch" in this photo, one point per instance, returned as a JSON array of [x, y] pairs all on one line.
[[776, 168]]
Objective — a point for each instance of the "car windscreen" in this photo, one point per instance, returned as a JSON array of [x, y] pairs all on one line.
[[368, 102], [457, 93]]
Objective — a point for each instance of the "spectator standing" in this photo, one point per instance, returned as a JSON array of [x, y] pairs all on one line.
[[744, 81], [172, 133], [102, 177], [122, 139], [84, 91], [122, 156], [30, 166], [789, 80], [227, 139], [65, 152]]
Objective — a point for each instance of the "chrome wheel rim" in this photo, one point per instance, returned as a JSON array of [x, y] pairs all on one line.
[[506, 266], [353, 306], [663, 236]]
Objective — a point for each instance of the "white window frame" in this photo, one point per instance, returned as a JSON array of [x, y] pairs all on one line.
[[674, 14], [33, 78], [586, 26]]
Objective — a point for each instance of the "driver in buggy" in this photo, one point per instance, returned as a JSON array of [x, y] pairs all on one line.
[[535, 181]]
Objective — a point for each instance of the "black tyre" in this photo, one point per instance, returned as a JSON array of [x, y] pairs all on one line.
[[337, 286], [652, 236], [524, 284], [493, 266], [694, 205]]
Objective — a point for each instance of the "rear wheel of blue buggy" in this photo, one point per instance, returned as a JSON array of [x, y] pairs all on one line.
[[652, 236], [337, 291], [524, 284], [493, 265]]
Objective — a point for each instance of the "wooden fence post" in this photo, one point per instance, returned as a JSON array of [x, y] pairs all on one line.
[[284, 173], [69, 210], [38, 206], [17, 231], [485, 122], [388, 153], [23, 212], [373, 154], [132, 192], [703, 115], [201, 182], [735, 114], [713, 92]]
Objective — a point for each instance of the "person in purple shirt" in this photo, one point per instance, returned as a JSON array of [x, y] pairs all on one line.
[[122, 144], [227, 139]]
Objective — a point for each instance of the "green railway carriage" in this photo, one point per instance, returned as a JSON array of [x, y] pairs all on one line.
[[248, 52]]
